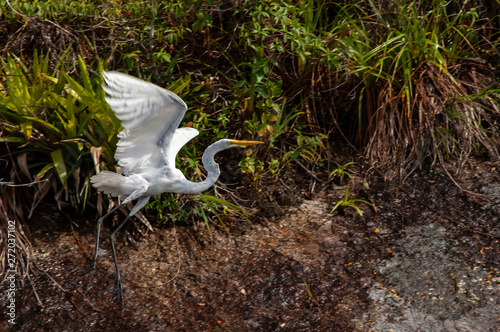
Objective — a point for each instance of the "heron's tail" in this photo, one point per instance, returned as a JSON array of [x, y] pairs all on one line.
[[109, 183]]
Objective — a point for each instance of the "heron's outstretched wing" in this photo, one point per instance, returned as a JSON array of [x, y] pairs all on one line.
[[150, 116], [181, 137]]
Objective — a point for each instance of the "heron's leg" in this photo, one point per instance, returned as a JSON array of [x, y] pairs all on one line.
[[98, 232], [118, 284]]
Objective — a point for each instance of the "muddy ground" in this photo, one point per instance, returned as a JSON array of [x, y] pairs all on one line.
[[424, 258]]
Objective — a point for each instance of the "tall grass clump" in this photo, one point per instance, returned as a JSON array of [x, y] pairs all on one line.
[[426, 92]]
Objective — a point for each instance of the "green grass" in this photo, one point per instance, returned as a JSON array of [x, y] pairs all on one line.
[[414, 60], [351, 203]]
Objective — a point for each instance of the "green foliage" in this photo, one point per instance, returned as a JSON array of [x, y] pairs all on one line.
[[346, 202], [213, 205], [412, 59], [54, 121], [404, 40], [168, 208], [341, 172], [280, 27], [309, 148]]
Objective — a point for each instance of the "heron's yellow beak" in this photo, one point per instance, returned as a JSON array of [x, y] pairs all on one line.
[[243, 143]]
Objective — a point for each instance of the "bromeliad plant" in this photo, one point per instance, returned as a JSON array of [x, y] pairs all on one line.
[[51, 128]]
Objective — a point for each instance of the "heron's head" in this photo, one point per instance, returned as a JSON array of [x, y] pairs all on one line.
[[223, 144]]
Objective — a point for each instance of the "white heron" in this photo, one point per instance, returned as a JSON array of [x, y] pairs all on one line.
[[146, 150]]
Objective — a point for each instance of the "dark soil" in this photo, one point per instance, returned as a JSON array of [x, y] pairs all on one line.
[[424, 258]]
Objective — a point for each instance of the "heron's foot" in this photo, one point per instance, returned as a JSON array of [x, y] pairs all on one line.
[[90, 268], [118, 290]]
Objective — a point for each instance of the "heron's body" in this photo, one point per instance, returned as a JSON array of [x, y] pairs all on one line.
[[146, 151], [153, 183]]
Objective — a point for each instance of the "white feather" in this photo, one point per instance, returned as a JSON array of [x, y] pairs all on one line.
[[148, 114], [109, 183]]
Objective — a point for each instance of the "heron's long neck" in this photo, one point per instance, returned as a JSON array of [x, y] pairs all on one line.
[[211, 167]]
